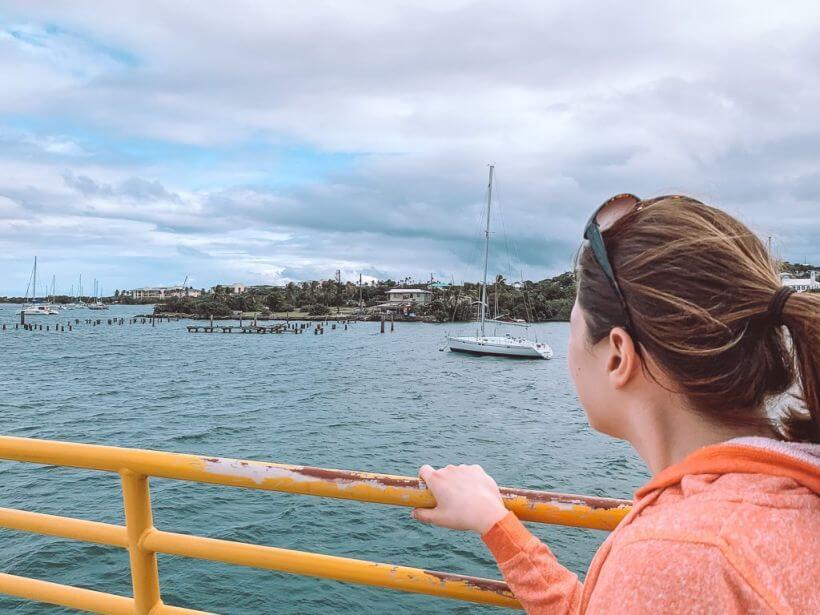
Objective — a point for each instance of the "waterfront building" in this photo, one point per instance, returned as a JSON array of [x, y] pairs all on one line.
[[162, 292], [237, 288], [403, 301], [801, 284], [411, 295]]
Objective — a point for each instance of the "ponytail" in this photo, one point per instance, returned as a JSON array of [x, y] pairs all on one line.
[[801, 315]]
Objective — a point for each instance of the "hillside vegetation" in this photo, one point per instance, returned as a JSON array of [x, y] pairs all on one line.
[[549, 299]]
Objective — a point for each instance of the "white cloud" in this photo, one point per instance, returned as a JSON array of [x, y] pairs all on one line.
[[166, 130]]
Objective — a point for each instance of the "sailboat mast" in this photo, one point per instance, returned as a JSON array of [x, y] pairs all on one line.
[[34, 292], [360, 294], [486, 250]]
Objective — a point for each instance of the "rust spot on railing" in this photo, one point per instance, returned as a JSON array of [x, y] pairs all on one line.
[[353, 477], [488, 585], [565, 499]]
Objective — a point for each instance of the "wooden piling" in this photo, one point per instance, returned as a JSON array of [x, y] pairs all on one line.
[[382, 328]]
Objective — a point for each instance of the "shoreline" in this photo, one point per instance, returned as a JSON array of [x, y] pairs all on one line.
[[308, 318]]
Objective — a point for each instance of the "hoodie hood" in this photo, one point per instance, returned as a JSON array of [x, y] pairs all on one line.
[[796, 460]]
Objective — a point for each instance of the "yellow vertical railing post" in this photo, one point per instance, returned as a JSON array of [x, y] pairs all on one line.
[[139, 521]]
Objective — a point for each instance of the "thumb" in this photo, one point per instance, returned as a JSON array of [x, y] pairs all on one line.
[[426, 473], [425, 515]]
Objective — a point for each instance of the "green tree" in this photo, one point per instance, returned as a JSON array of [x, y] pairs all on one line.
[[274, 301]]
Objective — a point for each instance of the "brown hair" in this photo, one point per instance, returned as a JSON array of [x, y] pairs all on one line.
[[698, 284]]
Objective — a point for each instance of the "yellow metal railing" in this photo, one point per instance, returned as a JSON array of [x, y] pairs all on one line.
[[143, 541]]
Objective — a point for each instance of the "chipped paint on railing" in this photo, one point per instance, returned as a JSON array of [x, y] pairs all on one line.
[[529, 505], [257, 472]]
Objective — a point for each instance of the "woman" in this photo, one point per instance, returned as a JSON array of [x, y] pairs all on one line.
[[678, 344]]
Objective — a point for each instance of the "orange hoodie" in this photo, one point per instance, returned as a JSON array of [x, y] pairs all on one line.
[[733, 528]]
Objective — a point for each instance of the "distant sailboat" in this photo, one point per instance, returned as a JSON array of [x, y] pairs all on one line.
[[80, 303], [98, 304], [481, 343], [33, 308]]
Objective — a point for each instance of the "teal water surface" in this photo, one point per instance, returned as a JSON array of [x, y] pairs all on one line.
[[350, 399]]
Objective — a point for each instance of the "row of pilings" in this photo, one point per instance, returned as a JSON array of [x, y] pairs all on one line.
[[318, 327]]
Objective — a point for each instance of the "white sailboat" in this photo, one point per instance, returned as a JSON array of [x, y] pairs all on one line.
[[80, 303], [503, 346], [33, 308], [98, 303]]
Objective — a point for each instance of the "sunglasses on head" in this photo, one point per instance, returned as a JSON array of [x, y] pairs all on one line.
[[603, 218]]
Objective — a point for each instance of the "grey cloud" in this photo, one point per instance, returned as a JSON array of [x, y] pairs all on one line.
[[135, 188], [573, 102], [193, 252], [86, 186], [145, 190]]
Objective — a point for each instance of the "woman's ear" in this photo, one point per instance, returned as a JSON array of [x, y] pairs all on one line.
[[623, 362]]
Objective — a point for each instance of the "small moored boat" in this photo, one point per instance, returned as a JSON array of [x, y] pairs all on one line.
[[507, 346], [502, 346], [34, 308]]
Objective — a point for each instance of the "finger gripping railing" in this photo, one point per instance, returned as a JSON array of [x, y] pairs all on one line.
[[143, 541]]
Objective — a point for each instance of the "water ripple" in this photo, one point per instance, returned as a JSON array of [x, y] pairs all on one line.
[[352, 399]]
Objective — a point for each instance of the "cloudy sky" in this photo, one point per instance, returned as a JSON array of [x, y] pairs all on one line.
[[271, 141]]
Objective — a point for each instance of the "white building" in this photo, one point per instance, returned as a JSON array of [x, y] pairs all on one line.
[[409, 295], [801, 284], [162, 292], [237, 288]]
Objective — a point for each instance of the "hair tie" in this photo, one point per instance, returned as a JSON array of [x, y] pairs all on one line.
[[775, 312]]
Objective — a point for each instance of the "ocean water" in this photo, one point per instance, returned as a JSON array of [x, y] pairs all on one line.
[[351, 399]]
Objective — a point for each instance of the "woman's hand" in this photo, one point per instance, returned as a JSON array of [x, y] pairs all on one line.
[[466, 498]]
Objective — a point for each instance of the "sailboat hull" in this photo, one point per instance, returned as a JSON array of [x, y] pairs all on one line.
[[500, 346], [38, 310]]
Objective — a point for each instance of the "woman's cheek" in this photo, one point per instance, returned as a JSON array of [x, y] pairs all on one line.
[[575, 362], [581, 363], [581, 367]]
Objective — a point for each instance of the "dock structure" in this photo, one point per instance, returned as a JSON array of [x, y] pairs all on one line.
[[261, 329], [289, 326]]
